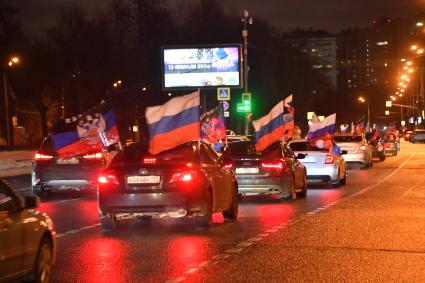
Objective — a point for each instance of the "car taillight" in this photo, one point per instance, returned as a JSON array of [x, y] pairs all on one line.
[[277, 165], [228, 166], [183, 177], [40, 156], [149, 160], [97, 155], [107, 179], [330, 159]]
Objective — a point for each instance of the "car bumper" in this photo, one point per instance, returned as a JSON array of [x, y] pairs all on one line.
[[58, 181], [359, 158], [155, 202], [327, 174], [251, 185], [391, 150]]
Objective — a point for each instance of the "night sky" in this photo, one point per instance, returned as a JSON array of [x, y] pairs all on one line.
[[332, 15]]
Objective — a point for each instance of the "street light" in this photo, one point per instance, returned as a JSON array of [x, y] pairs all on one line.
[[363, 100], [13, 61]]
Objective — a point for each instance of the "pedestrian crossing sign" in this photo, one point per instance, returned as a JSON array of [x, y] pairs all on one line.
[[223, 93]]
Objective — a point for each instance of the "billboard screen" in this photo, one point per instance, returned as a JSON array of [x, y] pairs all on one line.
[[201, 67]]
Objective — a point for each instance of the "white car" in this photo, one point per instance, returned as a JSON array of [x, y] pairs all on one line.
[[323, 165], [359, 151]]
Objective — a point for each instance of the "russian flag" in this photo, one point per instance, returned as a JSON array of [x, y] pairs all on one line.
[[173, 123], [322, 129], [274, 126]]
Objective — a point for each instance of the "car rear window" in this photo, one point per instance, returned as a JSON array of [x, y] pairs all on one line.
[[348, 138], [47, 146], [305, 146], [137, 152], [247, 149]]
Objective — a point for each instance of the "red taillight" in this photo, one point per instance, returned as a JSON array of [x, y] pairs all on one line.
[[329, 159], [149, 160], [40, 156], [184, 177], [107, 179], [97, 155], [228, 166], [278, 165]]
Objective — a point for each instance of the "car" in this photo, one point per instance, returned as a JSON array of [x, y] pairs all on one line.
[[391, 143], [357, 147], [27, 238], [51, 173], [187, 181], [418, 135], [377, 144], [275, 170], [323, 165], [407, 135]]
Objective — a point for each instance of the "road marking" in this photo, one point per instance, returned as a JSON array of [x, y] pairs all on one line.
[[244, 244], [233, 251]]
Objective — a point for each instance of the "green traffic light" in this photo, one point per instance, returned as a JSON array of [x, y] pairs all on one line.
[[246, 108], [246, 102]]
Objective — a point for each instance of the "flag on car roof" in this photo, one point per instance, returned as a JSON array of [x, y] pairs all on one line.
[[278, 124], [360, 126], [173, 123], [212, 125], [91, 131], [322, 129]]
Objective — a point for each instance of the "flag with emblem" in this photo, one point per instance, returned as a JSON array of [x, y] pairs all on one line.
[[212, 125]]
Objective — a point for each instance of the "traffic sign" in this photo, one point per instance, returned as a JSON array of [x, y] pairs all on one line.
[[226, 114], [387, 112], [223, 93], [388, 103], [226, 105]]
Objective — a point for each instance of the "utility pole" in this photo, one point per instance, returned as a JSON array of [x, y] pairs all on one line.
[[246, 20], [6, 109]]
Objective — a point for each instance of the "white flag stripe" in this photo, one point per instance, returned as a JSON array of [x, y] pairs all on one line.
[[276, 111], [172, 107], [329, 120]]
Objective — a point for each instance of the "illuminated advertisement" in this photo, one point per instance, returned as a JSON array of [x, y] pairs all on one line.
[[198, 67]]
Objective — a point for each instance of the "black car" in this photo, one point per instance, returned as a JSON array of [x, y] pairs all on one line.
[[378, 149], [52, 173], [418, 135], [189, 180], [27, 238], [275, 170]]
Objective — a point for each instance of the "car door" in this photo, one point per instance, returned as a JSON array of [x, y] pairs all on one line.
[[215, 176], [12, 248], [297, 166]]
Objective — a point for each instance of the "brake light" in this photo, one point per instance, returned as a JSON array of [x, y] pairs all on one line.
[[228, 166], [149, 160], [184, 177], [97, 155], [330, 159], [273, 165], [107, 179], [40, 156]]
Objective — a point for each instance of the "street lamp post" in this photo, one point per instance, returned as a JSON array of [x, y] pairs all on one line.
[[13, 61], [246, 20], [363, 100]]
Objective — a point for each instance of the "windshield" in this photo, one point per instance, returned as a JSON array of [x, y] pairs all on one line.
[[348, 138]]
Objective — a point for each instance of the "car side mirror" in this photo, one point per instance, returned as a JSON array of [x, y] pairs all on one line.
[[301, 155], [31, 202]]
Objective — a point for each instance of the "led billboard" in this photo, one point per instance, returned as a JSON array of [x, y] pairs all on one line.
[[201, 66]]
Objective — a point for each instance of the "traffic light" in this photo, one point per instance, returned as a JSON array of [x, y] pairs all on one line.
[[245, 106]]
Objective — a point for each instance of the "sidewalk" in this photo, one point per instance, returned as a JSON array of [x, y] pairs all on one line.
[[13, 163]]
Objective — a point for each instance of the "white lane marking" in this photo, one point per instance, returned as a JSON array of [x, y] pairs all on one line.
[[72, 231], [220, 256], [192, 270], [233, 251], [254, 239], [203, 264], [409, 190], [60, 235], [262, 235], [244, 244]]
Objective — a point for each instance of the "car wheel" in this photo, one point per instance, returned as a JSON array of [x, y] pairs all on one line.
[[40, 191], [292, 193], [44, 262], [109, 223], [343, 181], [382, 157], [303, 193], [205, 220], [232, 213]]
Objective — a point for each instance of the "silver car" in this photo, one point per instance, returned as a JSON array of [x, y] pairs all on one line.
[[27, 238], [359, 151], [323, 165]]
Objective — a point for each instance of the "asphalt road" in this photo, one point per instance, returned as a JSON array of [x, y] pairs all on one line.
[[371, 230]]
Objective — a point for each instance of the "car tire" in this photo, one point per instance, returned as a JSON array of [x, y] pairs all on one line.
[[109, 223], [44, 262], [382, 157], [40, 191], [343, 181], [303, 193], [232, 213], [205, 220]]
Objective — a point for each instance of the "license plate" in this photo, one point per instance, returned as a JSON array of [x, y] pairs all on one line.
[[68, 161], [247, 170], [143, 179], [308, 159]]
